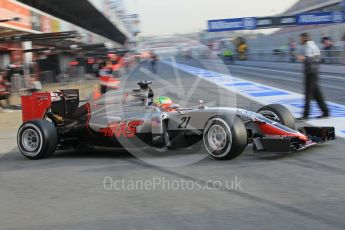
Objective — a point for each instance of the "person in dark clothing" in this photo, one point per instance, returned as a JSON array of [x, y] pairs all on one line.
[[292, 49], [327, 48], [154, 60], [311, 71], [4, 91]]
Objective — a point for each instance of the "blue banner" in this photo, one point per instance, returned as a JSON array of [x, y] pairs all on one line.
[[320, 18], [252, 23], [232, 24]]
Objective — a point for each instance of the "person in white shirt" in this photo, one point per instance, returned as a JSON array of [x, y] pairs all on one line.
[[311, 60]]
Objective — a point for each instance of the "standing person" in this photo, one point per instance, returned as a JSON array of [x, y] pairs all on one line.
[[154, 59], [228, 56], [4, 92], [327, 48], [242, 50], [311, 70], [292, 49], [342, 53]]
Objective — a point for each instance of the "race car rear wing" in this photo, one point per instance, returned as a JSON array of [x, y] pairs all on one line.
[[280, 144], [35, 106]]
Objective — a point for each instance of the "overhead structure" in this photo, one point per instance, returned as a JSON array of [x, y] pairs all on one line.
[[304, 6], [81, 13], [38, 37]]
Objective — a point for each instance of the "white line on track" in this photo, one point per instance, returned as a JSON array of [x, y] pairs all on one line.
[[281, 71], [284, 71], [288, 79]]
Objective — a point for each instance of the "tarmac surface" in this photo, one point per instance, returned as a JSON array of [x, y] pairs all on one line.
[[332, 84], [75, 189]]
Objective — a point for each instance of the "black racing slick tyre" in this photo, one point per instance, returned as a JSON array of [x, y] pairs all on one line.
[[37, 139], [225, 139], [278, 113]]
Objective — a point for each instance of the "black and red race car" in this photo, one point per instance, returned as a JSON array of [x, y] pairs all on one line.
[[127, 119]]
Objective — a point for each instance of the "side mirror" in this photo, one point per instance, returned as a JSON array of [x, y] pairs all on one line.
[[175, 106]]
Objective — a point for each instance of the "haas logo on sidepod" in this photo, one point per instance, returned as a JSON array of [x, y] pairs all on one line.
[[121, 129]]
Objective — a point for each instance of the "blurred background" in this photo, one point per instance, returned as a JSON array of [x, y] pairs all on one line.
[[43, 43], [231, 53]]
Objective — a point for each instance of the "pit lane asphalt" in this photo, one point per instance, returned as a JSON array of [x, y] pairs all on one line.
[[297, 191], [332, 85]]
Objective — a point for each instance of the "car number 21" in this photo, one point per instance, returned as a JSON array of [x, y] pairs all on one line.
[[184, 122]]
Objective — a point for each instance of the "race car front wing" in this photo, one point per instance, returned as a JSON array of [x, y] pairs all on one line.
[[287, 144]]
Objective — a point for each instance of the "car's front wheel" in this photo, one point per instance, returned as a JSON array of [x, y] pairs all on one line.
[[37, 139], [225, 139], [278, 113]]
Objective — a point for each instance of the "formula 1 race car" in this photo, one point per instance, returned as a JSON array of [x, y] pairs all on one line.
[[135, 118]]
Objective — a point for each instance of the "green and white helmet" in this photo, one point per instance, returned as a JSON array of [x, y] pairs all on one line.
[[163, 102]]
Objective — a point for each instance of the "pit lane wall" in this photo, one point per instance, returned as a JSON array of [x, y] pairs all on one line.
[[298, 67]]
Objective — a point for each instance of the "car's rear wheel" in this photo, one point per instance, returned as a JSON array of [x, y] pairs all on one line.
[[223, 139], [37, 139], [278, 113]]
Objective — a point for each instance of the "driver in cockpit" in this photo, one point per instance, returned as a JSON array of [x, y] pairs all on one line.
[[164, 103]]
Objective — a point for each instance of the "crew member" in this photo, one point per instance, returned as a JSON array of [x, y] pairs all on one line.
[[154, 60], [242, 50], [4, 92], [227, 56], [311, 59]]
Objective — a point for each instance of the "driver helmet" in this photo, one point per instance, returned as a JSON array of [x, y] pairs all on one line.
[[163, 102]]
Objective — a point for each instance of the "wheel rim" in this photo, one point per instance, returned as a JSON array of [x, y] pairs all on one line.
[[217, 137], [30, 140], [271, 115]]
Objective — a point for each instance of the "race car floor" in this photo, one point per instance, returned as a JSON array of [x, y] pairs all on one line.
[[72, 190]]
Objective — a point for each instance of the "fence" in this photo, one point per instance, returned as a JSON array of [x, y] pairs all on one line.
[[327, 56], [18, 83], [47, 77]]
